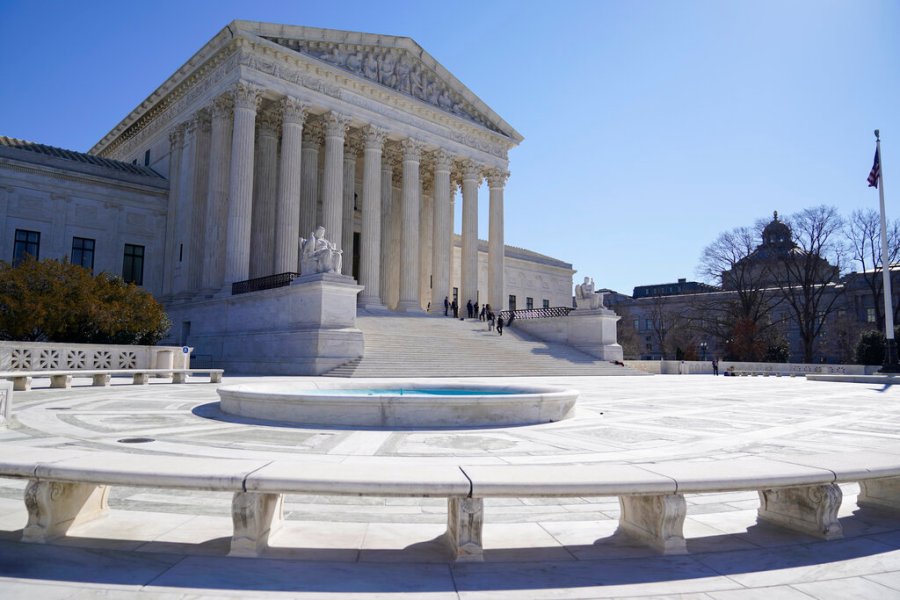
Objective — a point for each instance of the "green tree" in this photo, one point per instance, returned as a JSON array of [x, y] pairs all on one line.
[[53, 301]]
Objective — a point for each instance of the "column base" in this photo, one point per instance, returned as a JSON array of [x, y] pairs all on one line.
[[371, 303], [405, 306]]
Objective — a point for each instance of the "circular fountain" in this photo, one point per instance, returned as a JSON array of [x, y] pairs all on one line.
[[394, 404]]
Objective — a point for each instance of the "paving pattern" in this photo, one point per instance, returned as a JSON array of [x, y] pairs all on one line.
[[170, 543]]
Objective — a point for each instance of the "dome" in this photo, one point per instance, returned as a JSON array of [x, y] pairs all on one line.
[[777, 233]]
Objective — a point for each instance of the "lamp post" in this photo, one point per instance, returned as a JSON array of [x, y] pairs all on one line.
[[703, 350]]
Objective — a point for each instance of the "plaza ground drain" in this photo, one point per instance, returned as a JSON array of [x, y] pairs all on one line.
[[136, 440]]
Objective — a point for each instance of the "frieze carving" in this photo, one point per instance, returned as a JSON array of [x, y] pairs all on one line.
[[394, 68]]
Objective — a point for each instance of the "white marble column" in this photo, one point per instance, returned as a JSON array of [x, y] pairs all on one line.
[[265, 191], [217, 193], [287, 210], [468, 288], [426, 219], [313, 133], [333, 178], [176, 141], [409, 228], [185, 212], [371, 252], [441, 231], [496, 182], [352, 146], [453, 268], [387, 206], [240, 183], [198, 208]]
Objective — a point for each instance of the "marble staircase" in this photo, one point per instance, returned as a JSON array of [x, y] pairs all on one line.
[[438, 346]]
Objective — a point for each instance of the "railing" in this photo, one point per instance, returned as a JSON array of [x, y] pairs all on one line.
[[535, 313], [263, 283]]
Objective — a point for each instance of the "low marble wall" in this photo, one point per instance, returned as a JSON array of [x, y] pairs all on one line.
[[40, 356], [590, 331], [695, 367], [6, 392]]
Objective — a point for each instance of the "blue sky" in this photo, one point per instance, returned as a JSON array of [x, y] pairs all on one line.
[[650, 127]]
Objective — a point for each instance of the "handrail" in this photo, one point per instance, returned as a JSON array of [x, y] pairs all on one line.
[[535, 313], [263, 283]]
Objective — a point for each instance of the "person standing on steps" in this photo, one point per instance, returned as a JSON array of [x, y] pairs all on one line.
[[500, 325], [455, 307], [483, 312], [446, 305], [715, 366], [490, 320], [469, 308]]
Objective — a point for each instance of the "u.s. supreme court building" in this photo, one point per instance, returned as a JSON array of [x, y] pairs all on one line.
[[268, 131]]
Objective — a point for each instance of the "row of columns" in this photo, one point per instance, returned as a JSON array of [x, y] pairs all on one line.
[[241, 199]]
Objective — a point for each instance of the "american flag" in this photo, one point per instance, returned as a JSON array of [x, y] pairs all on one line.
[[875, 173]]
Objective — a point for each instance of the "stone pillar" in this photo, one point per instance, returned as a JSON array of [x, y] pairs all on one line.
[[217, 194], [240, 184], [496, 182], [371, 251], [409, 228], [468, 287], [333, 179], [265, 189], [352, 147], [176, 141], [387, 192], [426, 220], [287, 210], [185, 211], [452, 268], [198, 208], [309, 179], [441, 232]]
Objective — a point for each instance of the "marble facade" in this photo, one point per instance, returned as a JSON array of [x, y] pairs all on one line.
[[271, 130]]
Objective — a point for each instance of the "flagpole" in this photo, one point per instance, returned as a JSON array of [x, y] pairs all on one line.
[[890, 347]]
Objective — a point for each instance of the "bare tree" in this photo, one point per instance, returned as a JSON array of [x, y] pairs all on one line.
[[806, 275], [747, 299], [667, 319], [863, 233]]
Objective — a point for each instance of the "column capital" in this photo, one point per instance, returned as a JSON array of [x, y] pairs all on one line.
[[336, 124], [353, 145], [246, 95], [222, 106], [176, 136], [412, 149], [496, 178], [293, 111], [269, 122], [374, 137], [443, 160], [313, 133], [470, 170]]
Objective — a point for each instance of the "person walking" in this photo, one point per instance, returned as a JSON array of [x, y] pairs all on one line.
[[469, 308], [481, 315], [490, 320], [500, 325], [715, 366]]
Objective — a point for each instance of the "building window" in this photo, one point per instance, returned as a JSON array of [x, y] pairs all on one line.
[[648, 324], [83, 253], [512, 302], [147, 158], [545, 303], [870, 315], [529, 302], [28, 243], [133, 265], [636, 324]]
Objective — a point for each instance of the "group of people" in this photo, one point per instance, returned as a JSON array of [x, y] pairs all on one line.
[[473, 312]]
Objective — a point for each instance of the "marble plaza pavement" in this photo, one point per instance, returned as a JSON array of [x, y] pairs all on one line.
[[168, 544]]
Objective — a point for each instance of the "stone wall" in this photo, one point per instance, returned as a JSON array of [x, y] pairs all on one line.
[[38, 356], [696, 367]]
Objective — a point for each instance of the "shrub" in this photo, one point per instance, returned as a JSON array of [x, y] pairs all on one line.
[[53, 301]]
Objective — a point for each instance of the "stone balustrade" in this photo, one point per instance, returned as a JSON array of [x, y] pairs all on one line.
[[800, 493], [41, 356]]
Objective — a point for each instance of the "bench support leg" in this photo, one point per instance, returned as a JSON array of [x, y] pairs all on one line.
[[179, 377], [655, 520], [21, 384], [809, 509], [880, 493], [141, 379], [465, 518], [215, 378], [54, 507], [256, 518], [101, 380], [61, 381]]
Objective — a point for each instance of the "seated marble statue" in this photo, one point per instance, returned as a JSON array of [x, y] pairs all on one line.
[[586, 297], [318, 255]]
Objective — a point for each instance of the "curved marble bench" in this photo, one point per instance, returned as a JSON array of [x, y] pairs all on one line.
[[101, 377], [70, 487]]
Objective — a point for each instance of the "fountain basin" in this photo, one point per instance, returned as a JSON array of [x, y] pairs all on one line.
[[392, 404]]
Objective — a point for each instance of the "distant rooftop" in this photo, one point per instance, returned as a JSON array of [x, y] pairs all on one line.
[[80, 157]]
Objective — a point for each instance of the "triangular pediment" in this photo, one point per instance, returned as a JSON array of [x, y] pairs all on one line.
[[397, 63]]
